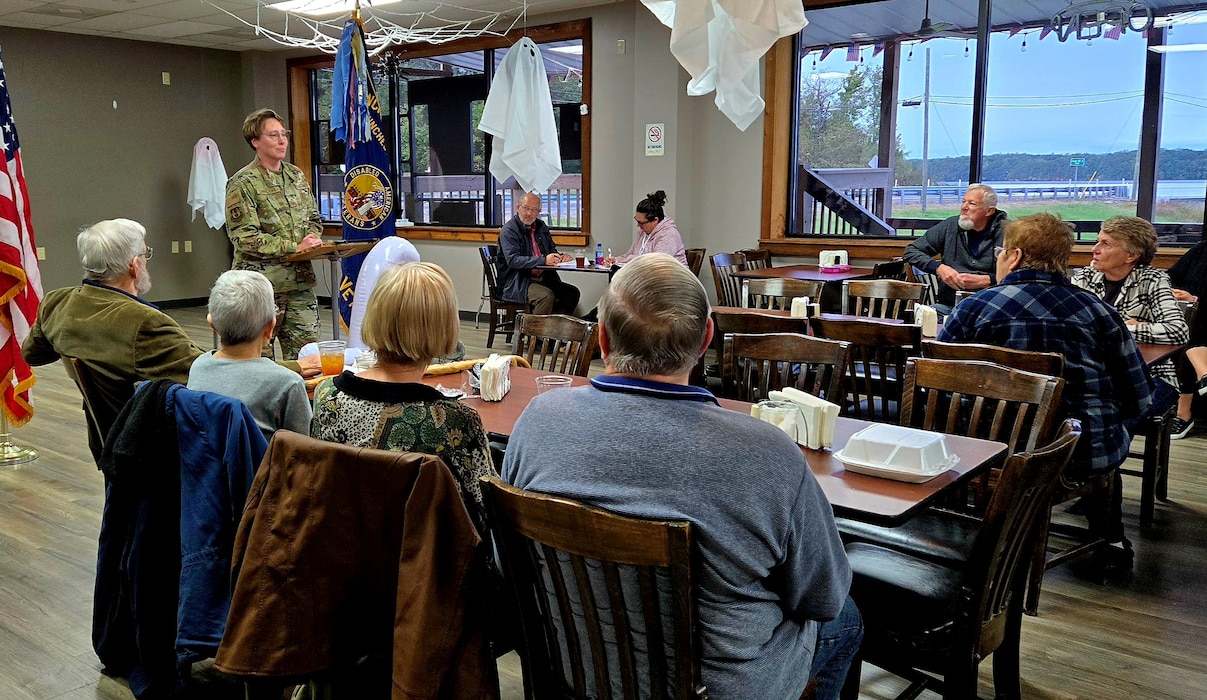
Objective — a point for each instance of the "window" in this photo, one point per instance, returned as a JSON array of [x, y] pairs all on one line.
[[1182, 165], [432, 102]]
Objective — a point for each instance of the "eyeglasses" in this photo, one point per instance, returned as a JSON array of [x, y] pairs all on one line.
[[147, 254], [640, 222], [998, 250], [534, 210], [278, 135]]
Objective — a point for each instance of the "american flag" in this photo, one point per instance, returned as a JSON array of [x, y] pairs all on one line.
[[20, 282]]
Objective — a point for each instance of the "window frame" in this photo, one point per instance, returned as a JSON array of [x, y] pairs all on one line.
[[300, 121]]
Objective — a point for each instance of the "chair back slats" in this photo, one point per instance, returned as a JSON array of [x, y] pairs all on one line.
[[877, 362], [726, 324], [765, 362], [880, 298], [997, 565], [578, 570], [729, 288], [695, 259], [778, 293], [556, 342], [756, 259]]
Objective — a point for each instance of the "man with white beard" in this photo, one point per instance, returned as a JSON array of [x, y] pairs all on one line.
[[965, 244], [119, 337]]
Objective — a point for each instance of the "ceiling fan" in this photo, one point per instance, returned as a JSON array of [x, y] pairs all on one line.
[[930, 29]]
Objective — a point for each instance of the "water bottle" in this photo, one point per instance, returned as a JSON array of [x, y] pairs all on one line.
[[599, 254]]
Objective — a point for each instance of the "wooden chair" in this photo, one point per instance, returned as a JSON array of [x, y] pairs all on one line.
[[1154, 458], [1050, 363], [695, 259], [878, 354], [98, 425], [729, 288], [726, 324], [880, 298], [587, 579], [556, 342], [890, 270], [778, 292], [922, 618], [756, 259], [764, 362], [931, 281], [502, 313]]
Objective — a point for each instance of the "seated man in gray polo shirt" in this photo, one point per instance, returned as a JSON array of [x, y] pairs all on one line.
[[773, 576]]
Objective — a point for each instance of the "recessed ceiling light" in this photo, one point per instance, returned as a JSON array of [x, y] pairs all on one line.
[[861, 35], [69, 10], [320, 8]]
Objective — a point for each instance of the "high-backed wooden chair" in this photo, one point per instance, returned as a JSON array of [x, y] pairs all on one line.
[[587, 580], [756, 259], [98, 424], [930, 280], [556, 342], [1050, 363], [729, 288], [890, 270], [880, 298], [923, 619], [726, 324], [695, 259], [878, 353], [502, 313], [764, 362], [778, 292]]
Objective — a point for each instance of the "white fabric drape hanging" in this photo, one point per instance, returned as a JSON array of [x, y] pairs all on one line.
[[207, 183], [719, 43], [519, 114]]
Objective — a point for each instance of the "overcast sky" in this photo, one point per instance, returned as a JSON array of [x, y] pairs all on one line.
[[1053, 98]]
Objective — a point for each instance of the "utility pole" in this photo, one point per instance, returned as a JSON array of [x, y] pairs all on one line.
[[925, 130]]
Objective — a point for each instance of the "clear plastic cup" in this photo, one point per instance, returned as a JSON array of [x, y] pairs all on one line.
[[331, 355], [552, 381]]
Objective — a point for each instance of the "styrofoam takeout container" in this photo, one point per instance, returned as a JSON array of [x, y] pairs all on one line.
[[897, 452]]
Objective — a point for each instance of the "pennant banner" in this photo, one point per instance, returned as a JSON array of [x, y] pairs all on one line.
[[368, 201], [20, 281]]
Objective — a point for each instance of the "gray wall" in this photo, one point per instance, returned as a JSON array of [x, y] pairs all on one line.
[[86, 161]]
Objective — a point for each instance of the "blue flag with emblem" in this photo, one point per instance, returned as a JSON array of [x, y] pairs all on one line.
[[368, 201]]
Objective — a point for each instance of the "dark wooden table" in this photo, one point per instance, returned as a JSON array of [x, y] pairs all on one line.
[[855, 496]]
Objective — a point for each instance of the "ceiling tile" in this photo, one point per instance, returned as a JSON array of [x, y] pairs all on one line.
[[114, 5], [33, 19], [115, 22], [7, 6], [172, 30]]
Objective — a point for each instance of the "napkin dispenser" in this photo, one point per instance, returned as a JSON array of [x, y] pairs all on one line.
[[834, 261], [928, 318], [496, 377], [801, 308], [816, 417]]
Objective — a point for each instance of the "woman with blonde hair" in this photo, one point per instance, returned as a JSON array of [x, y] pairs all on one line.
[[411, 318]]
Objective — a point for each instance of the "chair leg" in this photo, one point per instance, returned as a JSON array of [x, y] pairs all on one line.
[[1007, 683], [494, 324], [1148, 476]]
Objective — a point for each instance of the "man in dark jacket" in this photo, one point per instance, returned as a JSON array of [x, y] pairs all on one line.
[[524, 243], [965, 244]]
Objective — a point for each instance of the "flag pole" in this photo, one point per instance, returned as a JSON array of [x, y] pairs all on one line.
[[12, 454]]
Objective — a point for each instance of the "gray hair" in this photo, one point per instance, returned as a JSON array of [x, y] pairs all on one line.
[[107, 248], [988, 194], [655, 313], [241, 306]]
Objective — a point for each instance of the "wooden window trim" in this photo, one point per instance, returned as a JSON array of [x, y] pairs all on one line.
[[300, 120]]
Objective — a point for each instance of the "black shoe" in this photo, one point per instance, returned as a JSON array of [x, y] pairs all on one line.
[[1201, 387], [1117, 557], [1179, 428]]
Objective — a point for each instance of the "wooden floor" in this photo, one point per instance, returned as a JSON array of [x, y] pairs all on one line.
[[1142, 638]]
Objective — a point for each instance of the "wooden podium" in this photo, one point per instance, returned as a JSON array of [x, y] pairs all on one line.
[[333, 252]]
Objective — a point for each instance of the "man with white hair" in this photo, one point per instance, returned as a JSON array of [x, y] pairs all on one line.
[[773, 577], [105, 323], [965, 244]]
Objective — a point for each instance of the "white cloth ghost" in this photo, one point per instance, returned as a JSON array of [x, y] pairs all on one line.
[[519, 114]]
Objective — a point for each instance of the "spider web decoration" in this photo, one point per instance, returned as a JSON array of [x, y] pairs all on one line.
[[443, 22]]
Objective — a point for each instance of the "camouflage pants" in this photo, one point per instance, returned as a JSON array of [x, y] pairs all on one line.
[[297, 321]]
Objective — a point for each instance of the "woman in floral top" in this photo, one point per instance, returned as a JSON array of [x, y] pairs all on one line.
[[411, 318]]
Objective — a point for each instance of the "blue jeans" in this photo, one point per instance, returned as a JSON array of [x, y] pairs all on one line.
[[837, 643]]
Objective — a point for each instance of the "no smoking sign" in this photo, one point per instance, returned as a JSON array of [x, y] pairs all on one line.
[[655, 139]]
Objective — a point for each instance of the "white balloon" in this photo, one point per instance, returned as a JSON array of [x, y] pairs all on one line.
[[388, 252]]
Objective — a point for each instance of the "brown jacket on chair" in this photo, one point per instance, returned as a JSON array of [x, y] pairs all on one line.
[[344, 552]]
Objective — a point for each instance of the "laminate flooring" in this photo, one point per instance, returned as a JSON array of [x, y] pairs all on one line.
[[1145, 637]]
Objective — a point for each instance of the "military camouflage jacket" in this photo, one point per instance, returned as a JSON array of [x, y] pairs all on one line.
[[267, 215]]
